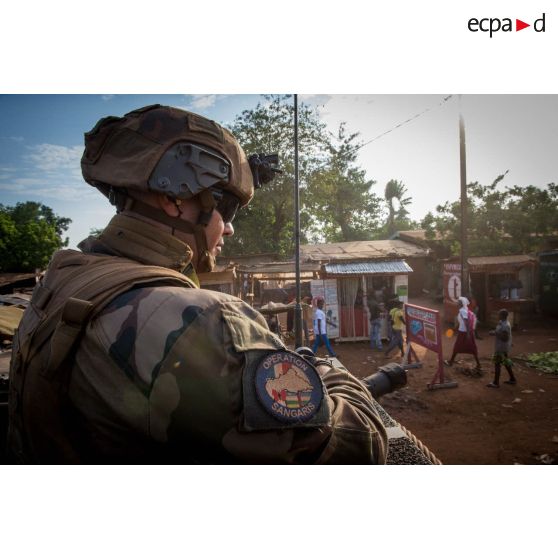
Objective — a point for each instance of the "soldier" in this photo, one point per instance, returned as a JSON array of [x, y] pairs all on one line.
[[121, 358]]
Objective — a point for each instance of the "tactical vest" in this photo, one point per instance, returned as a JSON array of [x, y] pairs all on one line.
[[75, 289]]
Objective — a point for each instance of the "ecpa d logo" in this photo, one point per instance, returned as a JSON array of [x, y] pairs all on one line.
[[492, 25]]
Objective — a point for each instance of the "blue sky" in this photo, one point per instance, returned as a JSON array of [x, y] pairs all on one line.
[[41, 142]]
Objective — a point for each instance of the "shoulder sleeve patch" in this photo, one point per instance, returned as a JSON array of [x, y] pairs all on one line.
[[282, 390]]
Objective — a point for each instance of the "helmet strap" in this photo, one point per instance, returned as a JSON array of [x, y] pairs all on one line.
[[207, 202]]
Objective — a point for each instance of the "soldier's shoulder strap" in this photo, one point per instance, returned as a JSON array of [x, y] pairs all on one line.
[[78, 286]]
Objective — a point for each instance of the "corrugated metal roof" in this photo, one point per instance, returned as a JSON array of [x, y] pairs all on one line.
[[359, 268]]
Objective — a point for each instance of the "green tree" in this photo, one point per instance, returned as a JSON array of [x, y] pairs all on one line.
[[267, 224], [397, 200], [531, 216], [30, 234], [338, 198], [505, 221]]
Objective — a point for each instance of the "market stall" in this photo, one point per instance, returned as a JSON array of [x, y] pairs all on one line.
[[495, 282], [274, 281], [349, 285], [359, 268]]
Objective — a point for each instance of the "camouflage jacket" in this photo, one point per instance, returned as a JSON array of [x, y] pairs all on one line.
[[176, 375]]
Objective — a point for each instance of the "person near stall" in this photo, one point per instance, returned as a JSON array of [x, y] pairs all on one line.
[[397, 320], [375, 309]]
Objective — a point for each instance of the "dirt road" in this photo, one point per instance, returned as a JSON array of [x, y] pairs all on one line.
[[472, 424]]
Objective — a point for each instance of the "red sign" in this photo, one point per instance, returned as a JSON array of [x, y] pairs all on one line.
[[424, 329]]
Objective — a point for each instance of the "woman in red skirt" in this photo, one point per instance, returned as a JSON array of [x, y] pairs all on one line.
[[465, 342]]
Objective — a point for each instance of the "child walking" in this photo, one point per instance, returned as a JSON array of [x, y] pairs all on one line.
[[502, 348]]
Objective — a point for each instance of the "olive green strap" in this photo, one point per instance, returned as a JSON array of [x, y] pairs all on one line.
[[75, 315], [66, 322]]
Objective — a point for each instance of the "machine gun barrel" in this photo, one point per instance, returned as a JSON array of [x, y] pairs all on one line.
[[388, 378]]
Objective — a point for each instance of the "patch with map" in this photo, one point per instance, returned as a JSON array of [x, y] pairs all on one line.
[[288, 387]]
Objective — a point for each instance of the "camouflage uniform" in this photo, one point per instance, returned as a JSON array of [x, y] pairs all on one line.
[[164, 372], [158, 377]]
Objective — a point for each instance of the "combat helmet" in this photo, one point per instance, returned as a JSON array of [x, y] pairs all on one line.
[[180, 154]]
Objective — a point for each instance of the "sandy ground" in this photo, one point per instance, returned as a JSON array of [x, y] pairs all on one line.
[[473, 424]]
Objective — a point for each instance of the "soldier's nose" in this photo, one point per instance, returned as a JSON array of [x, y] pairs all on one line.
[[228, 230]]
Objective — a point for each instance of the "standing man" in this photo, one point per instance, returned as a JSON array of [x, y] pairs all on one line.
[[121, 358], [375, 311], [320, 329], [397, 324]]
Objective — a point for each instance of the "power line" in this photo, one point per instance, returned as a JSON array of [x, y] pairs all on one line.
[[444, 100]]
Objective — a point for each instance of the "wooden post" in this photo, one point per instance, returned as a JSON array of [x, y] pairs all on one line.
[[463, 174]]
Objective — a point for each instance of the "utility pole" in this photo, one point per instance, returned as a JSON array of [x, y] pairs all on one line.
[[298, 307], [463, 168]]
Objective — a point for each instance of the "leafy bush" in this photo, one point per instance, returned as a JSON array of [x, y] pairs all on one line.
[[546, 362]]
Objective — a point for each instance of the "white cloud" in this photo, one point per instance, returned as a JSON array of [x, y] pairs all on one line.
[[23, 185], [200, 102], [315, 99], [65, 192], [48, 157], [12, 188], [59, 188], [51, 171], [17, 139]]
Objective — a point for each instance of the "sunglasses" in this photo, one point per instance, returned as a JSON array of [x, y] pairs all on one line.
[[226, 204]]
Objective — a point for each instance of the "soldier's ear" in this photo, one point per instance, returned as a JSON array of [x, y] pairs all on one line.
[[168, 205]]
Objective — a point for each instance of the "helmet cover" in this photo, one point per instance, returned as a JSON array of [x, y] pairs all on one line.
[[124, 152]]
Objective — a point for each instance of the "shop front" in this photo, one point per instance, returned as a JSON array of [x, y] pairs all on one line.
[[347, 287], [495, 282]]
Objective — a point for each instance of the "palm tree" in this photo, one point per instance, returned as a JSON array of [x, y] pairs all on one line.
[[395, 196]]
